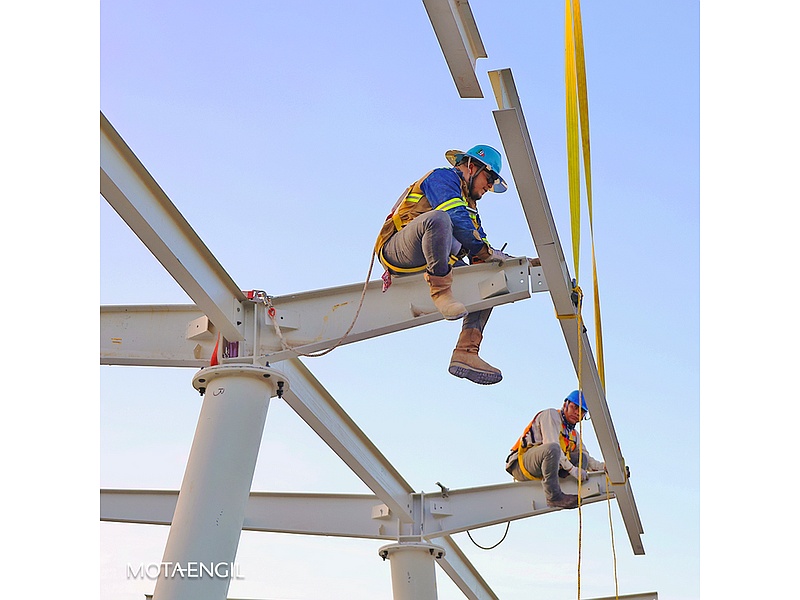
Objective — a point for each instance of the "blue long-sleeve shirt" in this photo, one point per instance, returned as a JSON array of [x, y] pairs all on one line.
[[445, 184]]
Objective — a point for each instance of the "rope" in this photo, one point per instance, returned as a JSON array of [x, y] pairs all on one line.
[[508, 524], [579, 328], [286, 346]]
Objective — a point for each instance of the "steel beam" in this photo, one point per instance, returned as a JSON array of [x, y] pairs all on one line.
[[363, 516], [460, 41], [318, 408], [642, 596], [530, 187], [181, 336], [312, 402], [143, 205]]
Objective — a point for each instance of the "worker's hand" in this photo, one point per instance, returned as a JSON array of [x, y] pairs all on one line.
[[579, 474], [498, 256]]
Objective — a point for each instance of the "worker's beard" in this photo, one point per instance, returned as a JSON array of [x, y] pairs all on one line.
[[474, 196]]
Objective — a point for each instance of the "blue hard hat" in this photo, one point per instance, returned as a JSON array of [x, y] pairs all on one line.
[[574, 398], [486, 155]]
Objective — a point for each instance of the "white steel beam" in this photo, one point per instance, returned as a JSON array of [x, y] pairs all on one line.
[[460, 41], [461, 571], [361, 515], [317, 407], [143, 205], [180, 336], [642, 596], [530, 187], [331, 423], [312, 402]]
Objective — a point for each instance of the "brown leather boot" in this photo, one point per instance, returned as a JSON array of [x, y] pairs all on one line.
[[563, 501], [442, 297], [466, 362]]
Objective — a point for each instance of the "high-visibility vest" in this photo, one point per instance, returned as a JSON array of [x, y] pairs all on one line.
[[411, 204], [567, 439]]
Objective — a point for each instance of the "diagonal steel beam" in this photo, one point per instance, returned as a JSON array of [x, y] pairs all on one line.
[[461, 44], [311, 401], [530, 187], [143, 205]]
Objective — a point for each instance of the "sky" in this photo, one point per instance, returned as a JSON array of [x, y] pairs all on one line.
[[284, 132]]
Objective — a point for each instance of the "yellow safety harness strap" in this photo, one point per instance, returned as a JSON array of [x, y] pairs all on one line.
[[412, 198], [400, 270], [521, 463]]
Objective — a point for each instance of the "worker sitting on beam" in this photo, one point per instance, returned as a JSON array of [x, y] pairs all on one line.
[[435, 225], [550, 448]]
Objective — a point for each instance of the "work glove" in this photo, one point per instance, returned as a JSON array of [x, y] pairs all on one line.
[[579, 474], [498, 256]]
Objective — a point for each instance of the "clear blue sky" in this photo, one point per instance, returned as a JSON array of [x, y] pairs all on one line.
[[284, 131]]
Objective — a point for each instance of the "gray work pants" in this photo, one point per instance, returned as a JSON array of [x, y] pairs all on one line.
[[428, 240], [542, 462]]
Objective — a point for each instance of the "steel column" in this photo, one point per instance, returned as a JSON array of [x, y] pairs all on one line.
[[205, 530], [413, 572]]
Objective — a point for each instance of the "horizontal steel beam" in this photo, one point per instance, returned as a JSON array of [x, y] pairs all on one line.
[[361, 515], [530, 187], [143, 205], [183, 336]]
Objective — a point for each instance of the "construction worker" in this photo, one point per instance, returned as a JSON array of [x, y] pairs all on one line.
[[550, 448], [435, 225]]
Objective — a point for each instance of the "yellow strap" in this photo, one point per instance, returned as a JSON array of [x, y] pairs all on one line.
[[451, 261], [521, 463], [398, 223], [577, 111]]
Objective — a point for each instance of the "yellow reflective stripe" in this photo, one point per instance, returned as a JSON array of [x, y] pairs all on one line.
[[452, 203], [413, 197]]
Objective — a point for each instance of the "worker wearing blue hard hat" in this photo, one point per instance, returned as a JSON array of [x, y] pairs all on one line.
[[435, 226], [550, 448]]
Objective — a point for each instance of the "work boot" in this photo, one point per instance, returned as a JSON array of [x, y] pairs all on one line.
[[563, 501], [466, 362], [442, 297]]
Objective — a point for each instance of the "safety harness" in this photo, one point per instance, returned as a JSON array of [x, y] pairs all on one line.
[[567, 440], [411, 204]]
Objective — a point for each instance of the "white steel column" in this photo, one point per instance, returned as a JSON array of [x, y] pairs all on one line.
[[413, 569], [199, 556]]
